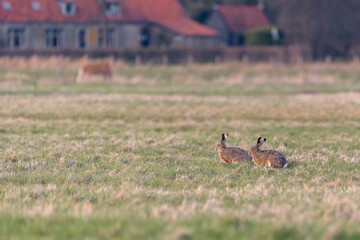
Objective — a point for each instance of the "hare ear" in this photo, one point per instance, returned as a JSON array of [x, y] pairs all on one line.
[[224, 137], [259, 140]]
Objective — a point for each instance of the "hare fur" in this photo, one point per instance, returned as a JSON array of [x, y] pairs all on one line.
[[269, 158], [231, 154]]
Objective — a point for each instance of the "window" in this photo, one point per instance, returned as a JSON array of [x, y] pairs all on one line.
[[101, 38], [53, 38], [16, 37], [82, 38], [112, 9], [6, 5], [67, 7], [36, 6], [145, 37], [110, 38]]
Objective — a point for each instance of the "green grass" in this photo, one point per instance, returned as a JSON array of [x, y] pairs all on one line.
[[137, 160]]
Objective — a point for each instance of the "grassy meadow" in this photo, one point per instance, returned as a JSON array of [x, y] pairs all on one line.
[[135, 159]]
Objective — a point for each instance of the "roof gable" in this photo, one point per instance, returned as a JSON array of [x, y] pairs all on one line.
[[241, 18]]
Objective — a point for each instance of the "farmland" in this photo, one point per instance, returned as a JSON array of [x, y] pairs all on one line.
[[135, 159]]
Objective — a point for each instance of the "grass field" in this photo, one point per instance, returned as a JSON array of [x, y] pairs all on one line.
[[136, 160]]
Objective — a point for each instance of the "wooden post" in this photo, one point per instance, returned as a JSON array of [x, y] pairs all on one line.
[[217, 59], [245, 59], [190, 59], [328, 59], [138, 60], [57, 68], [164, 60]]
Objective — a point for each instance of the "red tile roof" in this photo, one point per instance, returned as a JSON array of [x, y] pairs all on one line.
[[241, 18], [22, 11], [166, 13], [86, 11]]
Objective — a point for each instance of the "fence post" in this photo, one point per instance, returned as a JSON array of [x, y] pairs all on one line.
[[217, 59], [328, 59], [164, 60], [138, 60], [190, 59], [245, 60], [57, 68]]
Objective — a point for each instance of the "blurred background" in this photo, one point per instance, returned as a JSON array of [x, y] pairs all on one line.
[[178, 31]]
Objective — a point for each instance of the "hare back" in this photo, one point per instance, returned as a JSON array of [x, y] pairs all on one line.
[[271, 158], [234, 154]]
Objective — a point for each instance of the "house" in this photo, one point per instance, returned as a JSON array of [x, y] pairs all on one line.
[[96, 24], [229, 21]]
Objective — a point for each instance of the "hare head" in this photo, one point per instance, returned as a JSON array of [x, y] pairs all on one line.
[[256, 147], [222, 144]]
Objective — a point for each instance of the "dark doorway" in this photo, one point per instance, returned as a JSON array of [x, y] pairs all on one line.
[[145, 37], [82, 38]]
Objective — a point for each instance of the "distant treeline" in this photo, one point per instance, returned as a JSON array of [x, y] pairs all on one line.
[[199, 10], [327, 27]]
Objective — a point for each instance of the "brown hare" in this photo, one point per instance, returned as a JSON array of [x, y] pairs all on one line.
[[270, 158], [230, 154]]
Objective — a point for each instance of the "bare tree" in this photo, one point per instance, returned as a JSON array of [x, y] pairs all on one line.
[[328, 27], [200, 9]]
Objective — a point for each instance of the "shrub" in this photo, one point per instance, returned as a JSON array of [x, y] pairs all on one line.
[[258, 36]]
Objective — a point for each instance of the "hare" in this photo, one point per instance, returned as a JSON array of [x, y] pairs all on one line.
[[270, 158], [230, 154]]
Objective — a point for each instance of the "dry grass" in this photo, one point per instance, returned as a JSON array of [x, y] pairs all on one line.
[[137, 160]]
